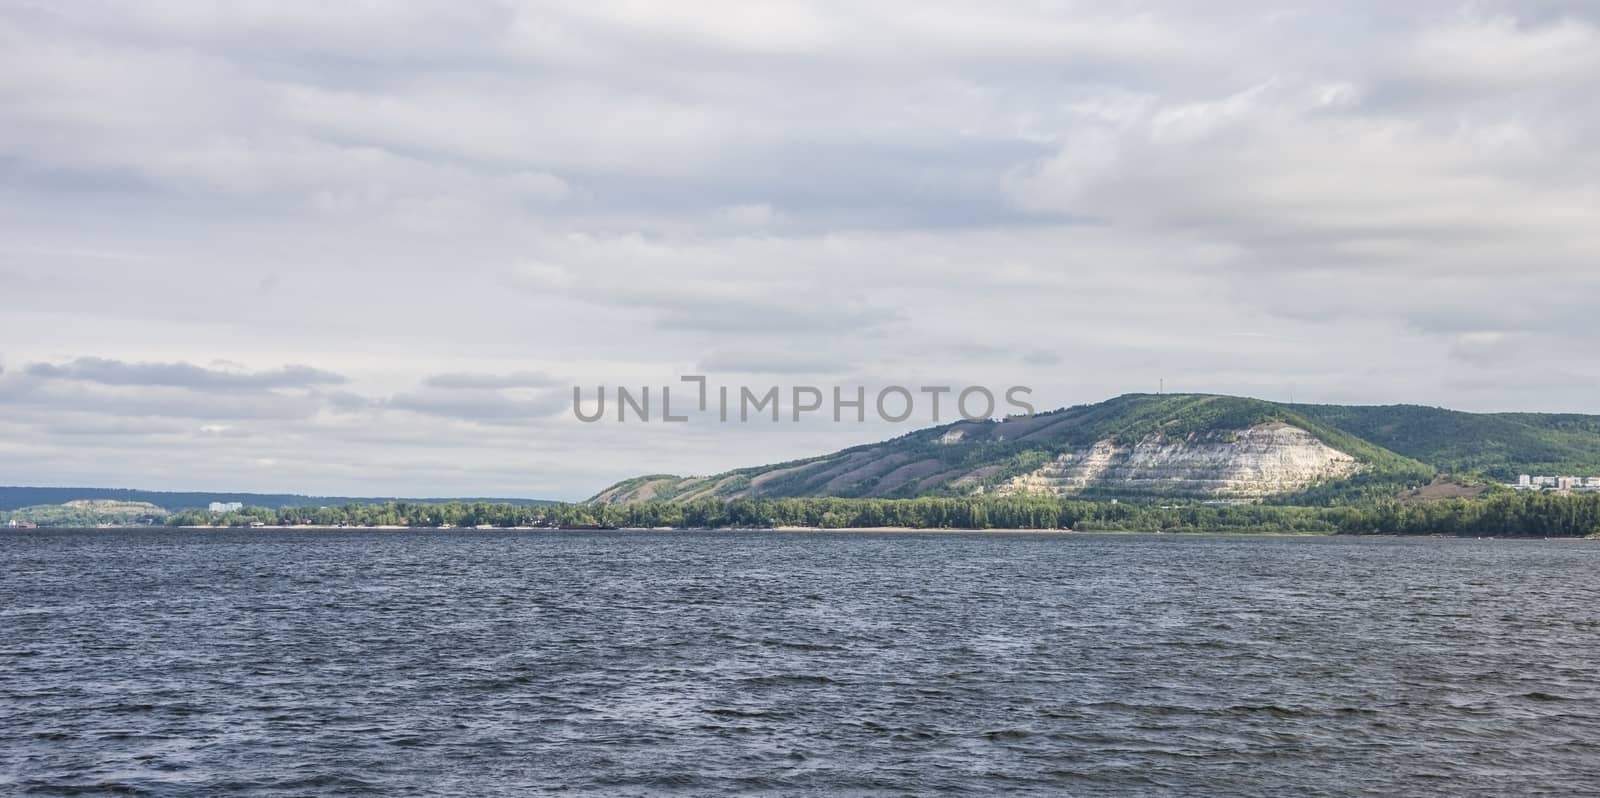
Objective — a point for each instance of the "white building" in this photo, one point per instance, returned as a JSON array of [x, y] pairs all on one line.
[[226, 507], [1525, 481]]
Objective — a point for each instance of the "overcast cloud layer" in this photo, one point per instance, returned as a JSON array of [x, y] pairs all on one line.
[[344, 248]]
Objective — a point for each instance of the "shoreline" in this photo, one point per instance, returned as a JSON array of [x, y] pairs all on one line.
[[791, 530]]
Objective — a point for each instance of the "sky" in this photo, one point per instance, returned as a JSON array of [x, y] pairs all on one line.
[[370, 248]]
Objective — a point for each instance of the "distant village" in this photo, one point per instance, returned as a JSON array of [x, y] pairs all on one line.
[[1557, 484]]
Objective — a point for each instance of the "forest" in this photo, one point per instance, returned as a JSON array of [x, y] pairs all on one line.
[[1500, 515]]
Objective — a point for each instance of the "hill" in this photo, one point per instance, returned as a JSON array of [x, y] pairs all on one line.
[[1170, 446], [88, 512], [1498, 445], [14, 498]]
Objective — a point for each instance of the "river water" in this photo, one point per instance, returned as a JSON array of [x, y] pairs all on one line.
[[192, 663]]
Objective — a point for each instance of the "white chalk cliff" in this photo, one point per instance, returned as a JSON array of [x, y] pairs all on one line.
[[1251, 463]]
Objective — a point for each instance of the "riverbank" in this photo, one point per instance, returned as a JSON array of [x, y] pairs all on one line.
[[812, 530]]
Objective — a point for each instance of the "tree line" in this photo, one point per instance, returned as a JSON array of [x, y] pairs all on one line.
[[1518, 515]]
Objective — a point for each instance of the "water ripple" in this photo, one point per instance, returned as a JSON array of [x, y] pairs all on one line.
[[284, 663]]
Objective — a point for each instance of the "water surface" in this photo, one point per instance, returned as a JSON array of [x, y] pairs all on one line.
[[269, 662]]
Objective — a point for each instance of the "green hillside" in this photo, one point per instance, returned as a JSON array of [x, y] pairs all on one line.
[[1499, 445]]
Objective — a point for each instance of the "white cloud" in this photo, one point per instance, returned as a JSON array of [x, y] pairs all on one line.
[[1503, 53], [1343, 209]]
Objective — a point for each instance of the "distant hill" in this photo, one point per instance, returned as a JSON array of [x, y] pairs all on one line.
[[14, 498], [88, 512], [1187, 445], [1499, 445]]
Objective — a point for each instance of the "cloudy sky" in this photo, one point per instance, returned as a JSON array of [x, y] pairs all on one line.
[[370, 247]]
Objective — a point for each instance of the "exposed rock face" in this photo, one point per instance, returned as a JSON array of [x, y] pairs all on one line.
[[1260, 461]]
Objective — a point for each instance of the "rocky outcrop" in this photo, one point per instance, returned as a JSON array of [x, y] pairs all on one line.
[[1263, 460]]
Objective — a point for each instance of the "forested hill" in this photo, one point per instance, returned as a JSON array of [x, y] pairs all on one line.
[[1499, 445], [1169, 446], [13, 498]]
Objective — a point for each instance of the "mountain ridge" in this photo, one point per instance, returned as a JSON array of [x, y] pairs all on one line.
[[1203, 446]]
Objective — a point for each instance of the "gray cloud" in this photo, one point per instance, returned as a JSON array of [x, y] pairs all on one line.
[[159, 402], [468, 381], [479, 406], [182, 375], [720, 317], [770, 361], [92, 425], [350, 402]]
